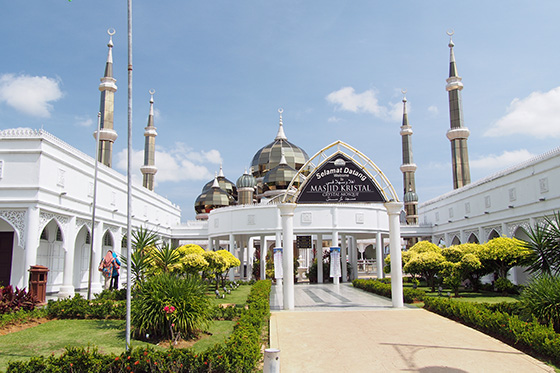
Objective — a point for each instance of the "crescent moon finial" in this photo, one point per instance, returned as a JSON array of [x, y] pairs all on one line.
[[152, 91], [280, 110], [450, 32], [111, 31], [403, 91]]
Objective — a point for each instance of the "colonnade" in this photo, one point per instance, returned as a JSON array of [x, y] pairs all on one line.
[[242, 247]]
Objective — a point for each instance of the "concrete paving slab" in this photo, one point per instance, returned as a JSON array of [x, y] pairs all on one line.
[[370, 339]]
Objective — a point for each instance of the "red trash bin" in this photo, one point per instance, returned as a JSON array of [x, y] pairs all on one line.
[[38, 282]]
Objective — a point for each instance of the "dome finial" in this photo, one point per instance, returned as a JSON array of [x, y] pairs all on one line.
[[403, 91], [215, 184], [221, 174], [281, 135], [450, 32], [111, 31]]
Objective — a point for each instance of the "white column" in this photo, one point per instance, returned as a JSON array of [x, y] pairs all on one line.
[[343, 253], [263, 257], [250, 254], [393, 212], [242, 255], [334, 243], [67, 288], [278, 243], [31, 241], [231, 249], [354, 251], [98, 254], [210, 243], [287, 214], [319, 254], [379, 254]]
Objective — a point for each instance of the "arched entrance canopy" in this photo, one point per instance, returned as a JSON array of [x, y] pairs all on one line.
[[341, 173]]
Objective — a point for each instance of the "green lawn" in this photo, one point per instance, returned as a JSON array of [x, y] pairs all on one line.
[[53, 336], [220, 330], [237, 296], [108, 336]]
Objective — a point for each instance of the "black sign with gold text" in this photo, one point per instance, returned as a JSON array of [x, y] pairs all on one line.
[[339, 180]]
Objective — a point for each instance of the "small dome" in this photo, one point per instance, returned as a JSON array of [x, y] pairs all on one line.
[[269, 156], [212, 198], [279, 177], [224, 184], [246, 181], [410, 196]]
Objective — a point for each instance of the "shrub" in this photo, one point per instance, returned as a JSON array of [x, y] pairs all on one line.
[[380, 288], [13, 301], [240, 353], [541, 297], [532, 337], [21, 316], [187, 297], [503, 285], [80, 308]]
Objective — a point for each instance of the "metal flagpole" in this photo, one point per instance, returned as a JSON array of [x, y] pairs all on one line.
[[129, 179], [94, 203]]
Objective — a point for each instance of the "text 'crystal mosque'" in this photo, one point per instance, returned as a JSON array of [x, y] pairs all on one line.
[[298, 207]]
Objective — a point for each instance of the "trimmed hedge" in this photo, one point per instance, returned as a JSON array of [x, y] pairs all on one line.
[[381, 288], [80, 308], [21, 316], [532, 337], [241, 352]]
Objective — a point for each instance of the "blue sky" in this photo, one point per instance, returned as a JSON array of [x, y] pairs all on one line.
[[221, 69]]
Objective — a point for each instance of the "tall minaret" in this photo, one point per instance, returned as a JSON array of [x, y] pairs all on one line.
[[108, 88], [457, 134], [408, 168], [149, 168]]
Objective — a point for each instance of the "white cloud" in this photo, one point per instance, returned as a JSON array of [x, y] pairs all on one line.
[[333, 119], [177, 164], [495, 162], [433, 110], [346, 99], [29, 94], [83, 121], [537, 115]]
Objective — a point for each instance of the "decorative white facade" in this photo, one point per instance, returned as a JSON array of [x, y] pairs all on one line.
[[46, 204]]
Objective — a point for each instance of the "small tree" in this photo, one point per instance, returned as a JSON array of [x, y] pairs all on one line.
[[502, 253], [216, 265], [427, 264], [460, 264], [231, 262], [192, 259], [164, 258]]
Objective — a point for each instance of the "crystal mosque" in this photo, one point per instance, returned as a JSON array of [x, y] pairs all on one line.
[[289, 204]]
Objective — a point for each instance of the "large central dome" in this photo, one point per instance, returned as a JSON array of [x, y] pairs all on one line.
[[270, 155]]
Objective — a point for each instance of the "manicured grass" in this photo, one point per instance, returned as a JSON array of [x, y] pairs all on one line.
[[220, 331], [237, 296], [469, 296], [53, 336]]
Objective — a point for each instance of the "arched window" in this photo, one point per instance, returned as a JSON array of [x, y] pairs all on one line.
[[473, 238], [58, 234], [45, 234], [88, 238], [107, 240], [123, 241]]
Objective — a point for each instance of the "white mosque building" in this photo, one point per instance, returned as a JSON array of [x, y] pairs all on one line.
[[336, 200]]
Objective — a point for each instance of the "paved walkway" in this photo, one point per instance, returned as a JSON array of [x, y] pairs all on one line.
[[342, 329]]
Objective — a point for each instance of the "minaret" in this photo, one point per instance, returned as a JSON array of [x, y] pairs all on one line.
[[107, 107], [149, 168], [457, 134], [408, 168]]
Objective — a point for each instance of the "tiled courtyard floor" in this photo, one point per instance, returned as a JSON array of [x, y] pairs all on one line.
[[342, 329]]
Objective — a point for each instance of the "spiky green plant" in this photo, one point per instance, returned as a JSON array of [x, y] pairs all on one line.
[[541, 298], [186, 295]]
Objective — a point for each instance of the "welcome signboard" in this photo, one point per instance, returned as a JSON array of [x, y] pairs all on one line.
[[339, 179]]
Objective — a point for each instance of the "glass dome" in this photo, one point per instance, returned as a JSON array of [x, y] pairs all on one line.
[[212, 198], [269, 156]]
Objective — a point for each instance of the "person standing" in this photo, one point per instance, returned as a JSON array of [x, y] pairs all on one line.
[[106, 267], [115, 275]]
